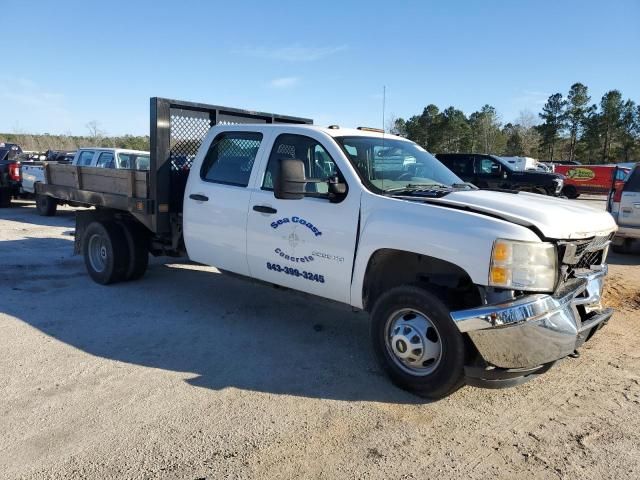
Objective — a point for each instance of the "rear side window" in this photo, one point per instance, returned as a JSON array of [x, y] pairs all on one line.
[[105, 160], [458, 164], [633, 184], [85, 157], [230, 158]]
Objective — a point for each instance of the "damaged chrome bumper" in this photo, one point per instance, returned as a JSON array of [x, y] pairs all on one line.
[[537, 329]]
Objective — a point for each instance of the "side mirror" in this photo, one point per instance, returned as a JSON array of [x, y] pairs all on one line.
[[290, 181]]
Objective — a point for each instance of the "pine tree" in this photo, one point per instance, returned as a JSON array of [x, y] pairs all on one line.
[[554, 118]]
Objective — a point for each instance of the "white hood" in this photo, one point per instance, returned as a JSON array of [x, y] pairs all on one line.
[[556, 218]]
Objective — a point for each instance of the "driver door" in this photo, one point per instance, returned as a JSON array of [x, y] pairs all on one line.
[[306, 244]]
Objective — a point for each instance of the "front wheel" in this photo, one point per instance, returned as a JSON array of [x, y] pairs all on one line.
[[5, 197], [417, 343]]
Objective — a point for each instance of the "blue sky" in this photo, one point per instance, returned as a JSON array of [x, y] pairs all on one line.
[[66, 63]]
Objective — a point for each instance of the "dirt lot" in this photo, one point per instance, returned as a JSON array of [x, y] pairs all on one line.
[[191, 374]]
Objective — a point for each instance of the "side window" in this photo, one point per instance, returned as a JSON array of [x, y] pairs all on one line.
[[85, 157], [487, 166], [318, 163], [633, 183], [230, 158], [105, 160]]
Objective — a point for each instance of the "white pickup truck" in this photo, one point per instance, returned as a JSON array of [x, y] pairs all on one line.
[[32, 173], [462, 285]]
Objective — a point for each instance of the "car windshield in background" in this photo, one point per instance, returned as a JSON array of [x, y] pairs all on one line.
[[395, 165], [135, 161]]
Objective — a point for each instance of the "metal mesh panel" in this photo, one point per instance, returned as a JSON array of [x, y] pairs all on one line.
[[188, 129]]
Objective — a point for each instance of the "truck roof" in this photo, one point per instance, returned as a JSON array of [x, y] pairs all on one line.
[[333, 130], [115, 150]]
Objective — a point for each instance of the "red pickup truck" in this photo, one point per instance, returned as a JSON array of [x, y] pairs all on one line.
[[592, 179]]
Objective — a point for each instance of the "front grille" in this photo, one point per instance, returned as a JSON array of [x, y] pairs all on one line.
[[590, 259], [584, 253]]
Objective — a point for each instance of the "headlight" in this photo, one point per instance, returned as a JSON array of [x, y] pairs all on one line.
[[529, 266]]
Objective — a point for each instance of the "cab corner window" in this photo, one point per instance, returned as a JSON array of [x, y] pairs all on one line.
[[318, 164], [230, 158]]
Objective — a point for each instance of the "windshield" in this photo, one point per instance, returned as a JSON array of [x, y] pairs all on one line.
[[391, 164]]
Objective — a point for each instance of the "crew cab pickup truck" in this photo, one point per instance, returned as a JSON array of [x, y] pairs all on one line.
[[492, 172], [462, 285], [118, 158]]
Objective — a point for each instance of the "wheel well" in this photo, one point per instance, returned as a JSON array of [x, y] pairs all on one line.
[[388, 268]]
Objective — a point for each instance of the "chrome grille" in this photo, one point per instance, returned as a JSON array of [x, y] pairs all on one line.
[[585, 253]]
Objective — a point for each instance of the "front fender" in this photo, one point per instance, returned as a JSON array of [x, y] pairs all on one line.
[[460, 237]]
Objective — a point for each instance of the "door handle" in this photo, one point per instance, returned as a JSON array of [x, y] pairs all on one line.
[[199, 197], [264, 209]]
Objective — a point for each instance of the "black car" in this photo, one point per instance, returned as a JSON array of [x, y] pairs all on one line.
[[488, 171]]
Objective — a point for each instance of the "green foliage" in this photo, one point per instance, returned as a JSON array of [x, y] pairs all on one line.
[[554, 122], [569, 129]]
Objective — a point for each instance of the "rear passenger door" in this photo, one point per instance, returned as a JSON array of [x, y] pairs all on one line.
[[217, 199], [630, 201]]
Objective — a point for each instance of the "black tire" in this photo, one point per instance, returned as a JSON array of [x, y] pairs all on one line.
[[448, 373], [570, 192], [138, 246], [111, 248], [46, 205], [624, 248], [5, 197]]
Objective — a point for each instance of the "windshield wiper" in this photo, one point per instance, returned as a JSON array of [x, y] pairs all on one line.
[[418, 187], [468, 185]]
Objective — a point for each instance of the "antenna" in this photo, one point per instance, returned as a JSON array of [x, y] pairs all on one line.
[[384, 102]]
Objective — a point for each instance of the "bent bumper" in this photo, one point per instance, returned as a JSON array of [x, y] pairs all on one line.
[[537, 329]]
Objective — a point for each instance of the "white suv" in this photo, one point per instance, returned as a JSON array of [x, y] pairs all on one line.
[[625, 208]]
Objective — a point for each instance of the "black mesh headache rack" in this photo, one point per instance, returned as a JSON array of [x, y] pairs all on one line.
[[154, 197]]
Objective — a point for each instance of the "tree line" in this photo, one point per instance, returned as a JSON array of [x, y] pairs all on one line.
[[67, 142], [567, 128]]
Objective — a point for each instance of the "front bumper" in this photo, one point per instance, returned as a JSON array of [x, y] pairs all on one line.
[[536, 330]]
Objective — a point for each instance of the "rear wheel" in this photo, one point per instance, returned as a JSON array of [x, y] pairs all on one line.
[[46, 205], [137, 243], [417, 343], [106, 253]]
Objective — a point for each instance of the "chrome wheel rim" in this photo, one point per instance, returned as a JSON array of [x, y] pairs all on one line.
[[413, 342], [97, 253]]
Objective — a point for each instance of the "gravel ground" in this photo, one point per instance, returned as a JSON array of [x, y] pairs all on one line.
[[192, 374]]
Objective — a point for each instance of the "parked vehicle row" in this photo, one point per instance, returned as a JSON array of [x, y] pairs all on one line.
[[486, 287], [112, 158]]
